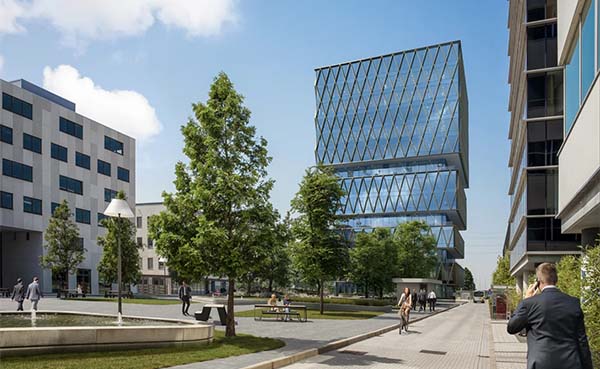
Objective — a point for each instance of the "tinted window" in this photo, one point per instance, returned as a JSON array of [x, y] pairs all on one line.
[[71, 185], [53, 207], [31, 205], [540, 9], [103, 167], [541, 47], [17, 106], [82, 216], [542, 194], [6, 200], [17, 170], [109, 194], [113, 145], [543, 141], [59, 152], [82, 160], [588, 51], [150, 243], [32, 143], [123, 174], [138, 222], [71, 128], [6, 134], [543, 234], [544, 94], [101, 217]]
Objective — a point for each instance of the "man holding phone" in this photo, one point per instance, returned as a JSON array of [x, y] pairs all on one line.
[[556, 337]]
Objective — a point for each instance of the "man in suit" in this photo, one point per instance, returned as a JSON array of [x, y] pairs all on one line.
[[556, 337], [185, 294], [33, 293], [414, 299], [18, 294]]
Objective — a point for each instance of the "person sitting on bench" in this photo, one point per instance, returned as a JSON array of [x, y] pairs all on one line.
[[286, 307], [273, 303]]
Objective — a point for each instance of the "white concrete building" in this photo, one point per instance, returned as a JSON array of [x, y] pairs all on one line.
[[50, 153], [579, 156]]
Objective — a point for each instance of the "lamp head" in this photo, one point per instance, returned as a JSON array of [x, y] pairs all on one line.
[[118, 207]]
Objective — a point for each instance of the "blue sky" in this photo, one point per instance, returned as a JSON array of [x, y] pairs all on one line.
[[165, 56]]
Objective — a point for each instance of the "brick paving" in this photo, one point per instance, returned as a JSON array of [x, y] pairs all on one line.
[[510, 353]]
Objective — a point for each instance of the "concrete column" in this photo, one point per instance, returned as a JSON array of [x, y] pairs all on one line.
[[525, 280], [519, 284], [589, 236]]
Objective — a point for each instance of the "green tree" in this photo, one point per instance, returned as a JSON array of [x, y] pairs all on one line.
[[469, 283], [417, 250], [215, 221], [123, 230], [591, 298], [502, 275], [274, 269], [64, 252], [320, 253], [569, 275], [373, 261]]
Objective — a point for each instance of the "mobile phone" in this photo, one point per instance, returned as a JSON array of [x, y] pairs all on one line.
[[537, 285]]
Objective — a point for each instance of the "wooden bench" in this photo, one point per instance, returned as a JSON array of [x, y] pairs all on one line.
[[71, 293], [281, 313]]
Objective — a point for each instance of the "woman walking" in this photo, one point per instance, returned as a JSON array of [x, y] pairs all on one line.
[[405, 304]]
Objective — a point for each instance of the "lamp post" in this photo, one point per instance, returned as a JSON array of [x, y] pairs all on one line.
[[118, 208]]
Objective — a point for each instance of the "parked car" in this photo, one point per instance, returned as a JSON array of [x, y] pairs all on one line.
[[479, 296]]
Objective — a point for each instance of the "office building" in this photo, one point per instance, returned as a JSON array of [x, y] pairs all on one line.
[[536, 134], [579, 157], [50, 153], [395, 130]]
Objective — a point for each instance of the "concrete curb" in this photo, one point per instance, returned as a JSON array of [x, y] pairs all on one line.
[[293, 358]]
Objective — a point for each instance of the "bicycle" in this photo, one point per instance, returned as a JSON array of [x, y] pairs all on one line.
[[405, 320]]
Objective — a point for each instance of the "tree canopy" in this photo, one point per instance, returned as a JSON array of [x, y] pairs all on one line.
[[417, 250], [469, 283], [501, 274]]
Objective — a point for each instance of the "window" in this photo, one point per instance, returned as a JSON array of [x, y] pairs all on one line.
[[543, 141], [6, 200], [6, 134], [101, 218], [140, 242], [59, 152], [123, 174], [540, 9], [17, 170], [103, 167], [150, 243], [543, 234], [53, 207], [113, 145], [572, 98], [31, 205], [82, 216], [141, 262], [71, 185], [82, 160], [161, 265], [109, 194], [542, 192], [32, 143], [17, 106], [138, 222], [150, 263], [541, 47], [544, 94], [587, 50], [71, 128], [81, 242]]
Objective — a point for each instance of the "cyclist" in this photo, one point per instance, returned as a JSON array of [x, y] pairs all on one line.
[[405, 304]]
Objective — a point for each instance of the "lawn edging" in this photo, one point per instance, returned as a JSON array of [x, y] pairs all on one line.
[[298, 356]]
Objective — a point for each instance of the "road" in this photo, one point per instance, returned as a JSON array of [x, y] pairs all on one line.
[[458, 338]]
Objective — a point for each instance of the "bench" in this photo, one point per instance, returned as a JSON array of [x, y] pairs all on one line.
[[204, 315], [71, 293], [280, 313]]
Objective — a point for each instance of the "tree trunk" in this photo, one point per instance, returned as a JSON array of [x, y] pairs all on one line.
[[249, 286], [366, 289], [381, 293], [230, 321], [321, 307], [270, 284]]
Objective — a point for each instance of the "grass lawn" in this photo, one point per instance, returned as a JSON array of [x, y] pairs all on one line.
[[146, 358], [314, 314], [130, 301]]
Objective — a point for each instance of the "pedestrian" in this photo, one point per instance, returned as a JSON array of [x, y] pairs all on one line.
[[18, 294], [556, 337], [414, 299], [185, 294], [422, 300], [34, 294], [432, 299]]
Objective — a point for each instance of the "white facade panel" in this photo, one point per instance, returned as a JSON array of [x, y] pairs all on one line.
[[566, 11]]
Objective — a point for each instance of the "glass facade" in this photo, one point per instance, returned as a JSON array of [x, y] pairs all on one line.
[[394, 128]]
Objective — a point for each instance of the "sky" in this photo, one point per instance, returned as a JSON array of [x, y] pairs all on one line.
[[138, 65]]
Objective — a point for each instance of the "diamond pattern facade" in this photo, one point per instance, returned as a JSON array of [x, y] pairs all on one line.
[[394, 127]]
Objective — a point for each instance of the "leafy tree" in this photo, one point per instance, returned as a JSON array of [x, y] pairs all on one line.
[[469, 283], [569, 275], [591, 298], [123, 230], [417, 250], [275, 267], [373, 261], [215, 221], [320, 253], [502, 275], [64, 251]]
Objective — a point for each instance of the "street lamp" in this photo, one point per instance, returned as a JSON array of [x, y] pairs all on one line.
[[118, 209]]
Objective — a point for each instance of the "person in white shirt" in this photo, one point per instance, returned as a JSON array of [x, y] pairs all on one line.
[[432, 299]]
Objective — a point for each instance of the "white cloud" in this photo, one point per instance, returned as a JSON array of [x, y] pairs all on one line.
[[126, 111], [10, 11], [79, 21]]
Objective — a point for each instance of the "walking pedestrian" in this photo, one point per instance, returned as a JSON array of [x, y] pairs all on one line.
[[185, 294], [432, 299], [34, 294], [18, 294], [556, 337], [414, 299], [422, 300]]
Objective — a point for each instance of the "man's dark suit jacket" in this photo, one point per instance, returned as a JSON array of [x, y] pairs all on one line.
[[556, 336]]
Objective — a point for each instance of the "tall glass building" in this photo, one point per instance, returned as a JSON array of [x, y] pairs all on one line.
[[395, 129]]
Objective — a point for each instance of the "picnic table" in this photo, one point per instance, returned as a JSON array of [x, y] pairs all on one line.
[[281, 312], [205, 313]]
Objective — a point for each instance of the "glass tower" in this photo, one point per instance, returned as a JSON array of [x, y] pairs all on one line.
[[395, 129]]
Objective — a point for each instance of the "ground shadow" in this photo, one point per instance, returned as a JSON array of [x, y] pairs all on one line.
[[356, 359]]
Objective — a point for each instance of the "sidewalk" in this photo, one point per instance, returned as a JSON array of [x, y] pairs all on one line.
[[509, 352]]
